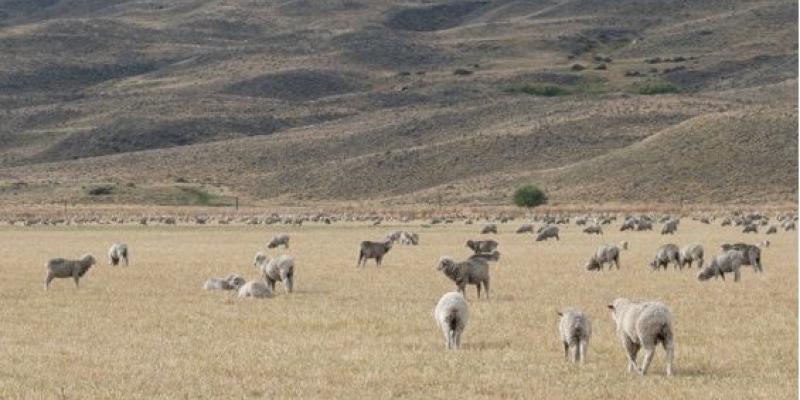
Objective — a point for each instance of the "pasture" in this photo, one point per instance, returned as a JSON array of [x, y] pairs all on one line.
[[149, 331]]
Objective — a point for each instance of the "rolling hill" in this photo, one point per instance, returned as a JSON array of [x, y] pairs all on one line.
[[303, 102]]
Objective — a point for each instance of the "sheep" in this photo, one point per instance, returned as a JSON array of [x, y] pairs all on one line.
[[255, 289], [549, 232], [116, 252], [575, 329], [789, 226], [279, 240], [726, 222], [604, 254], [772, 230], [374, 250], [452, 314], [596, 229], [629, 224], [644, 324], [278, 269], [472, 272], [729, 261], [644, 225], [493, 256], [231, 282], [691, 253], [525, 228], [490, 228], [750, 228], [63, 268], [482, 246], [409, 238], [670, 227], [751, 253], [666, 254]]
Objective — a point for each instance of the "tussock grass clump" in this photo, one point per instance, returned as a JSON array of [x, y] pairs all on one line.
[[651, 88], [539, 89]]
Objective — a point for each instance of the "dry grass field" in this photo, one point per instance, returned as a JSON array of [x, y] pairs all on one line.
[[150, 331]]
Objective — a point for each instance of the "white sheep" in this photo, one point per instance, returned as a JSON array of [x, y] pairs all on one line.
[[691, 253], [255, 289], [278, 269], [728, 261], [280, 240], [63, 268], [574, 329], [644, 324], [117, 252], [452, 314], [605, 254]]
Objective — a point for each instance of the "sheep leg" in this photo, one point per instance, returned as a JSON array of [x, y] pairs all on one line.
[[457, 334], [76, 278], [48, 279], [576, 355], [632, 350], [669, 347], [486, 287], [649, 350], [566, 351], [582, 347], [479, 289], [736, 275]]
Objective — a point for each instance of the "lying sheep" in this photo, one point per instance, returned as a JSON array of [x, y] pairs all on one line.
[[231, 282], [63, 268], [550, 231], [472, 272], [278, 269], [482, 246], [280, 240], [575, 329], [525, 228], [493, 256], [596, 229], [452, 314], [255, 289], [751, 253], [691, 253], [605, 254], [117, 252], [490, 228], [643, 325], [374, 250], [666, 254], [729, 261]]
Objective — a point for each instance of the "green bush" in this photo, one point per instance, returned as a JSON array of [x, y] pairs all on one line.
[[650, 88], [101, 190], [529, 196]]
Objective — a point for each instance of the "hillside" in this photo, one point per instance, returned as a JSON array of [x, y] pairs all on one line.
[[303, 102]]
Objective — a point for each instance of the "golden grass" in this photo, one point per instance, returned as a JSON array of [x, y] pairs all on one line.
[[150, 331]]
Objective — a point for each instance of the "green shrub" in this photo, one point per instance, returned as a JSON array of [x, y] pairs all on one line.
[[529, 196], [538, 89]]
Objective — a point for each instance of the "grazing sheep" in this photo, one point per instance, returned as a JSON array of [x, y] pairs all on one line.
[[117, 252], [605, 254], [409, 238], [670, 227], [751, 253], [628, 225], [750, 228], [452, 314], [550, 231], [482, 246], [524, 228], [691, 253], [789, 226], [374, 250], [726, 222], [255, 289], [280, 240], [772, 230], [278, 269], [575, 329], [666, 254], [729, 261], [644, 225], [493, 256], [490, 228], [643, 325], [596, 229], [63, 268], [472, 272]]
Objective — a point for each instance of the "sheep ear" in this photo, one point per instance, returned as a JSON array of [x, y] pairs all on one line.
[[560, 314], [610, 306]]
